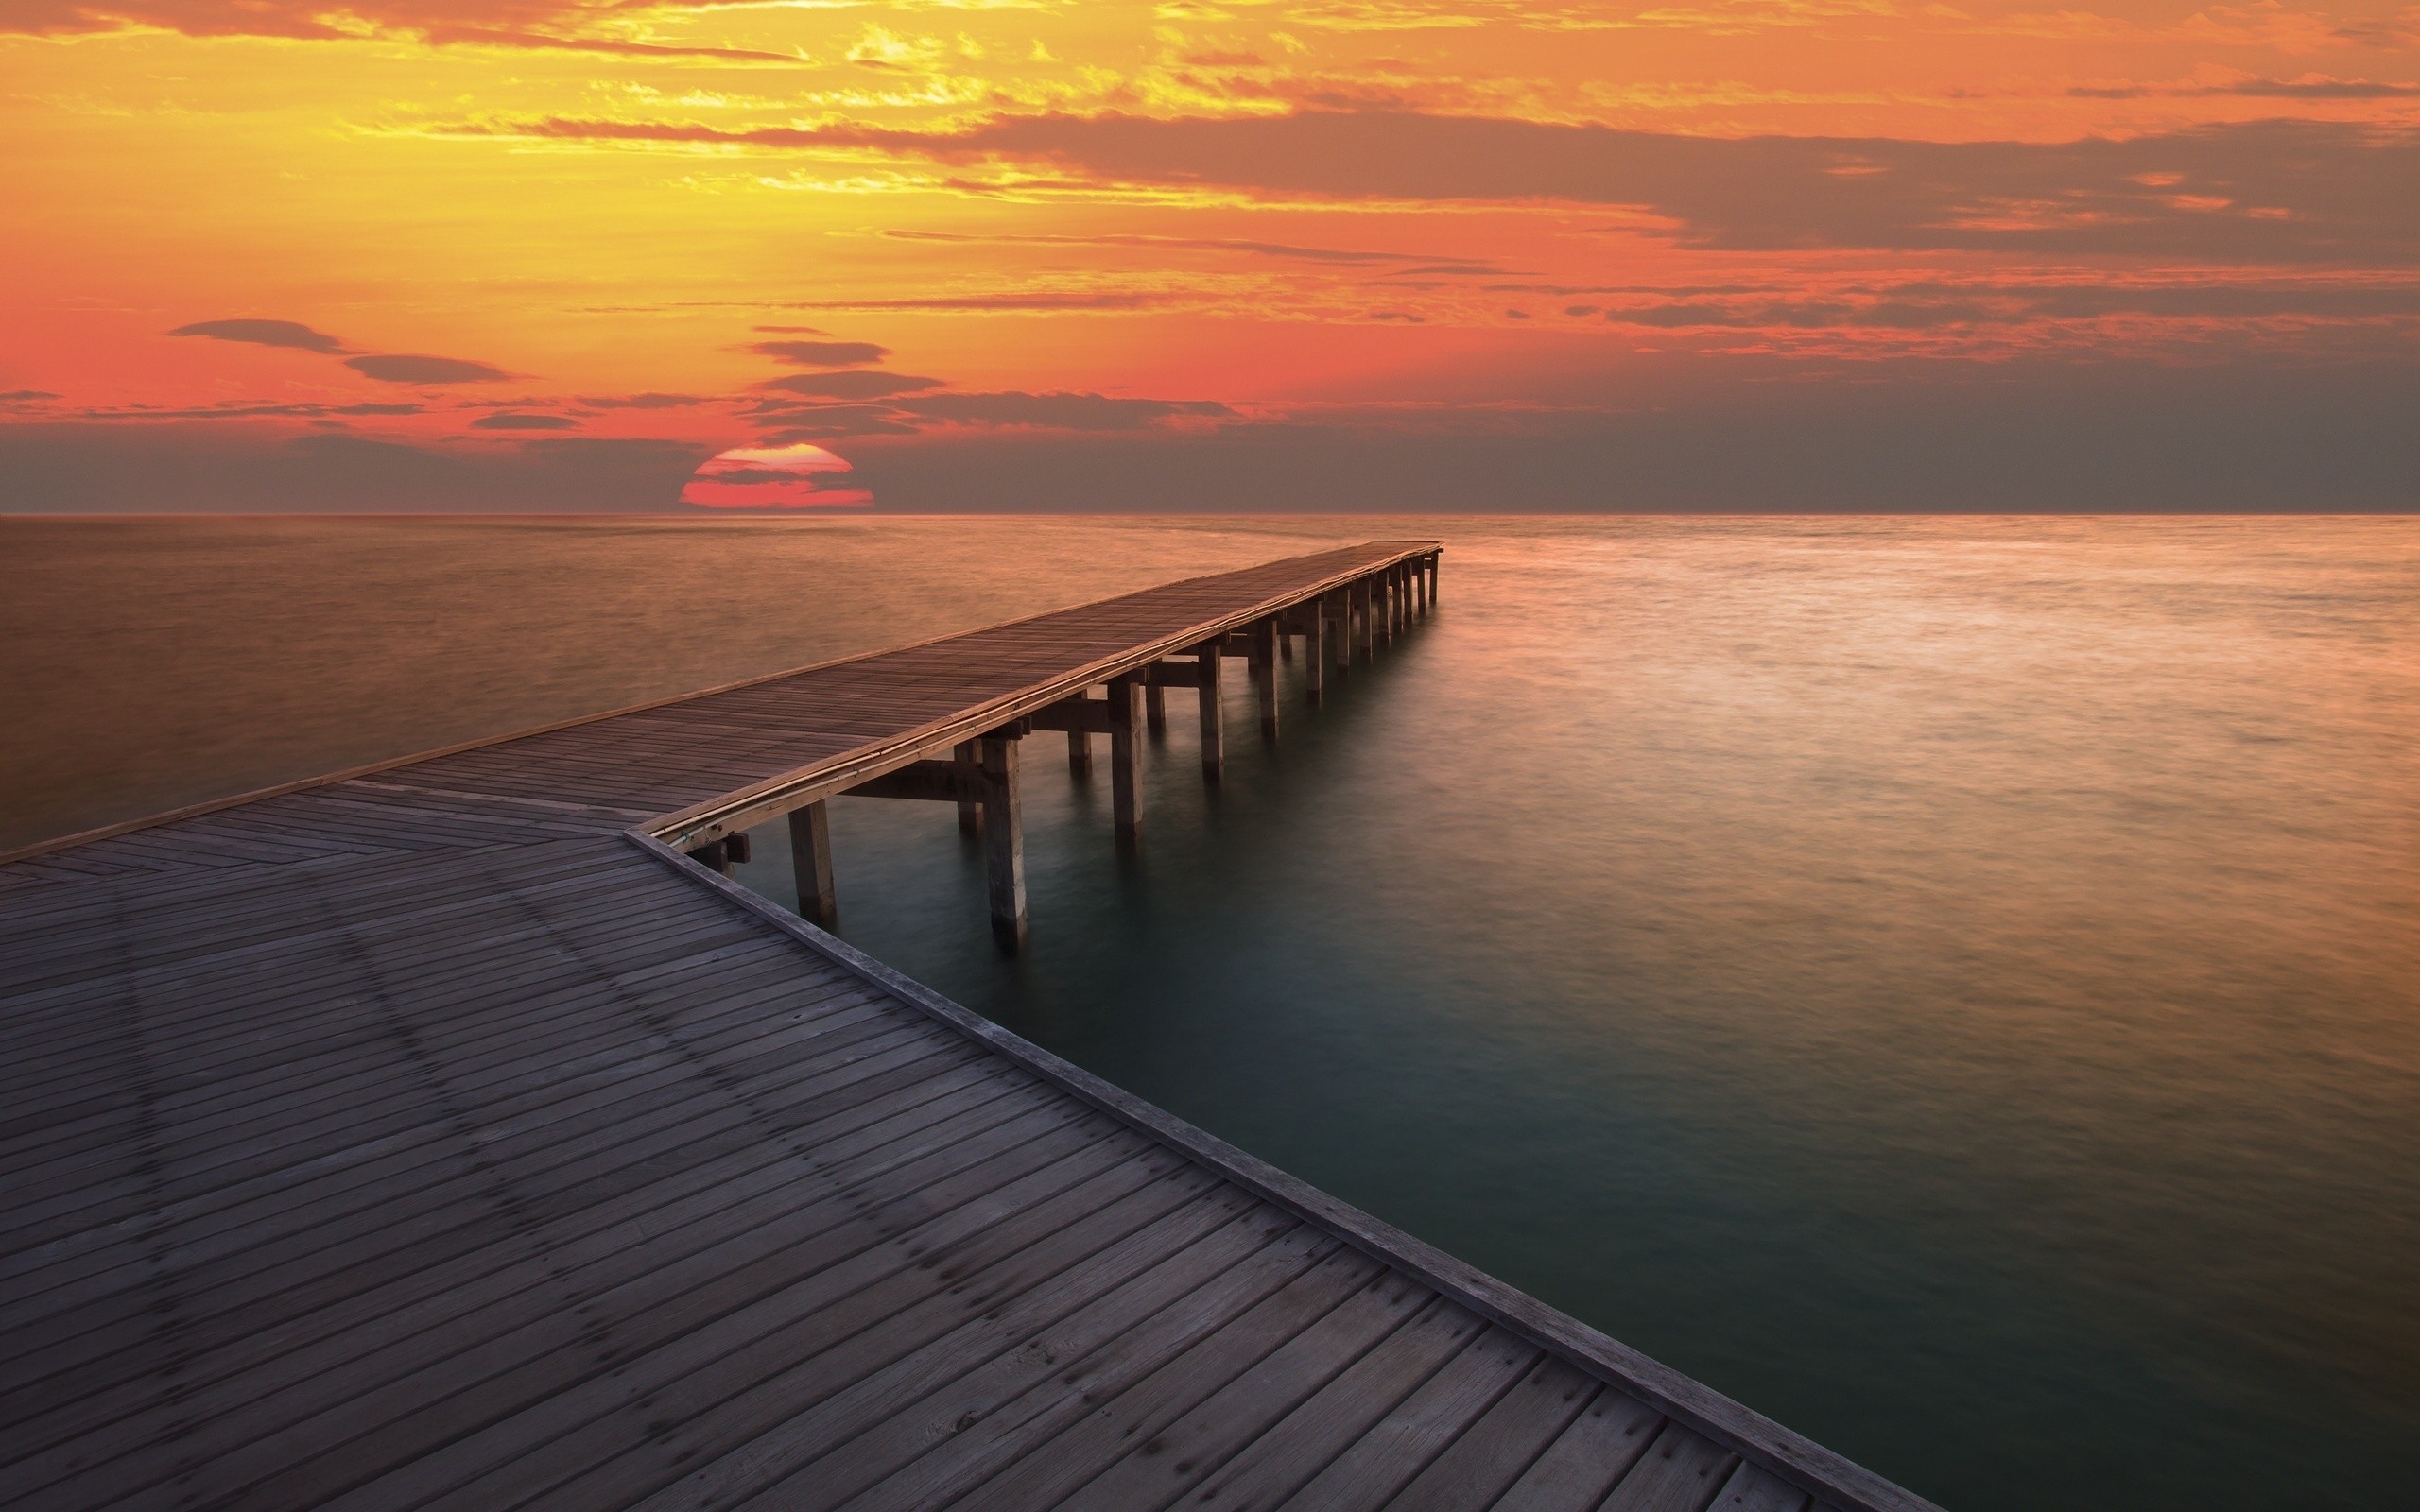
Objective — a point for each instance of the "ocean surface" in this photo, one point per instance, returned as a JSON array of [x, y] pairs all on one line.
[[1951, 984]]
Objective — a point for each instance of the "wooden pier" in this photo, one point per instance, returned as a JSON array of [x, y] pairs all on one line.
[[453, 1134]]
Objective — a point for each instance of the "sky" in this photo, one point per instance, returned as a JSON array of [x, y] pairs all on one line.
[[1339, 254]]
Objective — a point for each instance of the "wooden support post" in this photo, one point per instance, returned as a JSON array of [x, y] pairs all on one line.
[[1125, 760], [1362, 649], [1003, 842], [1419, 570], [1335, 611], [1315, 653], [1214, 728], [1286, 644], [1435, 560], [1264, 675], [1155, 709], [970, 813], [811, 862], [713, 856], [1080, 755]]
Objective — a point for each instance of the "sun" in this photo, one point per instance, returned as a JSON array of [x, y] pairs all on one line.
[[774, 477]]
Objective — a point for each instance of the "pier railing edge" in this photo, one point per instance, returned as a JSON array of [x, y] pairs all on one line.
[[1833, 1479], [744, 807]]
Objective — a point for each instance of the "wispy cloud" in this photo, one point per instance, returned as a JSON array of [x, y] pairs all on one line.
[[822, 354], [2269, 190], [402, 368], [265, 334]]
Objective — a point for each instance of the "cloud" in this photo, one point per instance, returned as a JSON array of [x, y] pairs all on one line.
[[1044, 301], [907, 414], [258, 466], [490, 37], [783, 423], [407, 369], [387, 368], [509, 422], [297, 410], [2257, 89], [850, 384], [1072, 412], [265, 334], [515, 24], [1729, 434], [1920, 305], [2254, 191], [1186, 244], [1904, 436], [644, 401], [20, 395], [793, 330], [822, 354]]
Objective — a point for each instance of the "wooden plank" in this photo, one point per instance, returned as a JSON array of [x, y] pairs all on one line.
[[1680, 1473], [1156, 1442], [1057, 1425], [948, 782], [919, 1449], [750, 1196], [1581, 1466], [202, 1174], [723, 1386], [682, 1233], [1420, 1426], [1751, 1490], [302, 1218], [1291, 1452], [1496, 1450]]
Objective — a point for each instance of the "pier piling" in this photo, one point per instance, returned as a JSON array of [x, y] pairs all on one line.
[[1266, 640], [1003, 842], [1211, 662], [1125, 754], [811, 862]]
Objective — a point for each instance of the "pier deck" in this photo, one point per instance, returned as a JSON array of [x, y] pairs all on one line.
[[442, 1136]]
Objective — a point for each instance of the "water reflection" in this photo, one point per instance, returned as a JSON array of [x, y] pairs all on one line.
[[1950, 985]]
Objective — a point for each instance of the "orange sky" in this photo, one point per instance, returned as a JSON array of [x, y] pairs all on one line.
[[430, 253]]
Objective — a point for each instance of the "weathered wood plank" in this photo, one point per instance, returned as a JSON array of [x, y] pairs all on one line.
[[1581, 1466], [1680, 1473]]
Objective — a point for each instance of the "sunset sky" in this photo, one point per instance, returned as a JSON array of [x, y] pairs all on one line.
[[280, 254]]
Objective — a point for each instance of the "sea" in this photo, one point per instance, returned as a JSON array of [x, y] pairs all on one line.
[[1950, 983]]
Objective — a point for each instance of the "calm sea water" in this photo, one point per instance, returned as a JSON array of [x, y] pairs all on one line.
[[1953, 985]]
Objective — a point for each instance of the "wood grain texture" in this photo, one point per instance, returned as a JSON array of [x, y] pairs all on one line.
[[431, 1137]]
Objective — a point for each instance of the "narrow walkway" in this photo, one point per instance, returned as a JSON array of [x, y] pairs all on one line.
[[442, 1136]]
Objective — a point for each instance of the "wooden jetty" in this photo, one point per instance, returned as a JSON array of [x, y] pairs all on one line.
[[452, 1134]]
